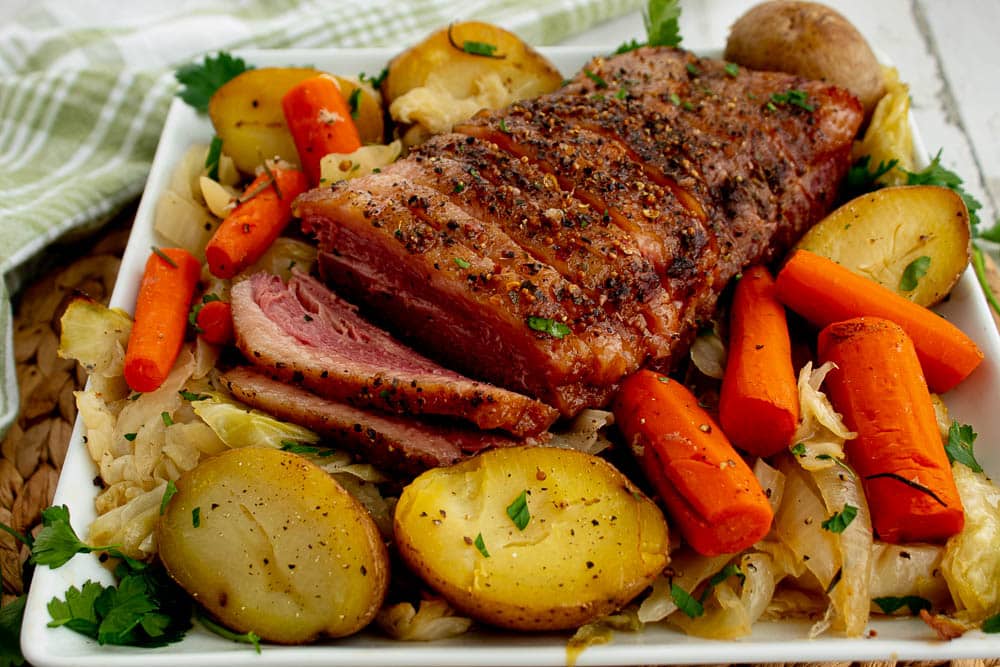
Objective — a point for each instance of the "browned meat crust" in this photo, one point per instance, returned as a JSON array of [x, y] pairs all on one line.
[[560, 244], [405, 445], [303, 333]]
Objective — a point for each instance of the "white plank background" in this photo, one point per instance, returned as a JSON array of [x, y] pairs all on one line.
[[946, 50]]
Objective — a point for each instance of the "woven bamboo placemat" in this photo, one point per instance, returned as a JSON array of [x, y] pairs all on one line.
[[33, 451]]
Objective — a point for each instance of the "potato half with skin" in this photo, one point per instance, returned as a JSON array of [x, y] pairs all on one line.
[[246, 114], [269, 542], [592, 541], [808, 39], [461, 69], [880, 234]]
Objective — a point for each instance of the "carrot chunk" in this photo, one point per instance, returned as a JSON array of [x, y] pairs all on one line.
[[215, 322], [824, 292], [707, 488], [320, 122], [759, 403], [879, 389], [161, 310], [253, 226]]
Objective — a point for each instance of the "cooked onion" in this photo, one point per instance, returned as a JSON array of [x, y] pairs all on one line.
[[708, 353]]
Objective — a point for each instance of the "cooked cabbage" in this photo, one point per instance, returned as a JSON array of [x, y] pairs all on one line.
[[971, 563], [95, 335]]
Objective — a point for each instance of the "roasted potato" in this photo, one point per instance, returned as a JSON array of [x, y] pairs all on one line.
[[459, 70], [246, 114], [269, 542], [531, 538], [808, 39], [913, 239]]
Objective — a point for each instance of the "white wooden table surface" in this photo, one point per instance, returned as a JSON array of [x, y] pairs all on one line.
[[946, 50]]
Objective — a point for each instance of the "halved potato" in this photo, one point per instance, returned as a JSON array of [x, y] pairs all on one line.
[[461, 69], [269, 542], [588, 542], [247, 116], [913, 240]]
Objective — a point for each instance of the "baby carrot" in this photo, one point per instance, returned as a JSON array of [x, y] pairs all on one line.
[[161, 310], [215, 322], [879, 389], [320, 122], [248, 231], [824, 292], [707, 488], [759, 403]]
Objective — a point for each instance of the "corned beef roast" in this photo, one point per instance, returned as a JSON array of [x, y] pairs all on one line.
[[556, 246]]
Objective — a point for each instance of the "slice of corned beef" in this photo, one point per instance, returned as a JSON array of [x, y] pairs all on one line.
[[405, 445], [304, 333]]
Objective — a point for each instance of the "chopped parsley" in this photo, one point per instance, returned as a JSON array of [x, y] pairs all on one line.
[[890, 604], [167, 419], [482, 49], [196, 517], [213, 157], [793, 97], [839, 521], [961, 438], [131, 436], [548, 326], [168, 493], [518, 511], [200, 81], [798, 449], [732, 69], [374, 81], [913, 272], [731, 570], [481, 545], [461, 263], [991, 625], [191, 396], [596, 78], [686, 602], [354, 102]]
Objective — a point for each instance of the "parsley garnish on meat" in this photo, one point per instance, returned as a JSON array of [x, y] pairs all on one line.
[[732, 69], [959, 449], [794, 97], [549, 326], [661, 18], [596, 78], [200, 81]]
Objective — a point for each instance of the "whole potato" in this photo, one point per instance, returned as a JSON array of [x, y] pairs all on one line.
[[810, 40], [531, 538], [268, 542]]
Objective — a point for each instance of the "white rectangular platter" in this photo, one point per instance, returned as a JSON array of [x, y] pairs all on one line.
[[784, 641]]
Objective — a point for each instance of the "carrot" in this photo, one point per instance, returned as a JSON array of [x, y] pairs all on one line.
[[254, 224], [824, 292], [161, 309], [707, 488], [320, 122], [759, 403], [215, 322], [879, 389]]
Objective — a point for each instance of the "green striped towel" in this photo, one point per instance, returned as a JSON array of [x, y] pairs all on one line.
[[85, 86]]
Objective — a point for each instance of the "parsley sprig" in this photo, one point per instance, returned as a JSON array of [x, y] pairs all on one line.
[[662, 21], [961, 438], [200, 81]]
